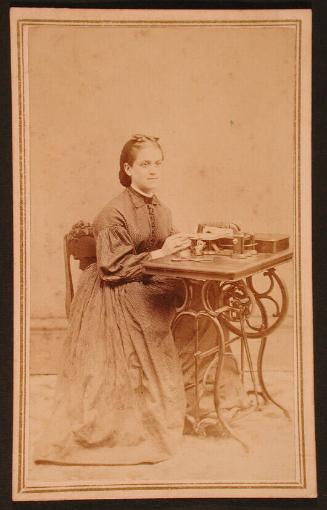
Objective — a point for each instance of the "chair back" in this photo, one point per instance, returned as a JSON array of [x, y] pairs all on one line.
[[80, 244]]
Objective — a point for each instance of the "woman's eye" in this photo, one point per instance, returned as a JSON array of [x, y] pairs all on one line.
[[145, 163]]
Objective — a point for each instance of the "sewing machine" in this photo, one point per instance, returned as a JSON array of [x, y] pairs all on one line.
[[230, 240]]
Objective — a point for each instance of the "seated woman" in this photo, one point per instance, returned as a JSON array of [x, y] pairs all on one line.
[[120, 395]]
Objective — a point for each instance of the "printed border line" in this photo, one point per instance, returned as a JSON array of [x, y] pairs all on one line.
[[150, 25], [296, 216], [157, 487], [25, 254], [267, 23], [300, 350], [165, 485], [22, 397], [22, 283], [24, 24], [297, 265]]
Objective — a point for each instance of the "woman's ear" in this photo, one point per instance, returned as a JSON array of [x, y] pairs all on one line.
[[127, 169]]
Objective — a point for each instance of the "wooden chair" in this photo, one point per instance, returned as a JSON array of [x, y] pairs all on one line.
[[80, 244]]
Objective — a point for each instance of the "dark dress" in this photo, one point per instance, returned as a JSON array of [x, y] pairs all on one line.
[[120, 394]]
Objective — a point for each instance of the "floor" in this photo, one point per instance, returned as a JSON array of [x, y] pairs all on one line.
[[269, 435]]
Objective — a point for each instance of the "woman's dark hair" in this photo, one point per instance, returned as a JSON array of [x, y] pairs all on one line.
[[128, 154]]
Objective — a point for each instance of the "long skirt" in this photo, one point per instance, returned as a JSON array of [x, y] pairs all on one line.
[[120, 394]]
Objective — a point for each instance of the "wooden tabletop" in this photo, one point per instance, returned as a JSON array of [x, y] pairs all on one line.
[[218, 267]]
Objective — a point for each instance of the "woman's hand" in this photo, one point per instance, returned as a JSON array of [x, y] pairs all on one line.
[[173, 244]]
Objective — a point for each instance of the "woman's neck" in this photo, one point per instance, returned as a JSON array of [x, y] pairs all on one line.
[[141, 192]]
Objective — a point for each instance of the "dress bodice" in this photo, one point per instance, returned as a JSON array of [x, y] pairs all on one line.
[[126, 230]]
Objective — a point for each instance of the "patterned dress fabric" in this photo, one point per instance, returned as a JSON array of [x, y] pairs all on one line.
[[120, 394]]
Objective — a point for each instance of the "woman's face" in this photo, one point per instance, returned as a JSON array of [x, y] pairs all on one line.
[[145, 172]]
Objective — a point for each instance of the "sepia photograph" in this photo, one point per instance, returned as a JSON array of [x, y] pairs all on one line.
[[163, 342]]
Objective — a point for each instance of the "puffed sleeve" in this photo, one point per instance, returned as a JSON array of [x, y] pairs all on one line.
[[117, 259]]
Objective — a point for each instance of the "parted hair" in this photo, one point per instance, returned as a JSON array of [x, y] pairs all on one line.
[[128, 154]]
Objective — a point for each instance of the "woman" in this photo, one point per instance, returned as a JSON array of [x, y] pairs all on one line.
[[120, 394]]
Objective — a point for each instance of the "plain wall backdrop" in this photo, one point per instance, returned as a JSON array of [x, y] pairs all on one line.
[[221, 99]]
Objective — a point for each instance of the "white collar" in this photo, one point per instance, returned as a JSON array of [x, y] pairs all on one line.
[[141, 192]]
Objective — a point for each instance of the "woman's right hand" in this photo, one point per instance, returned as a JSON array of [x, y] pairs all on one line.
[[173, 244]]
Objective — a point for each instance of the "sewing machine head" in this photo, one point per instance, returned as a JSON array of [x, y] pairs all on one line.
[[213, 240], [230, 240]]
